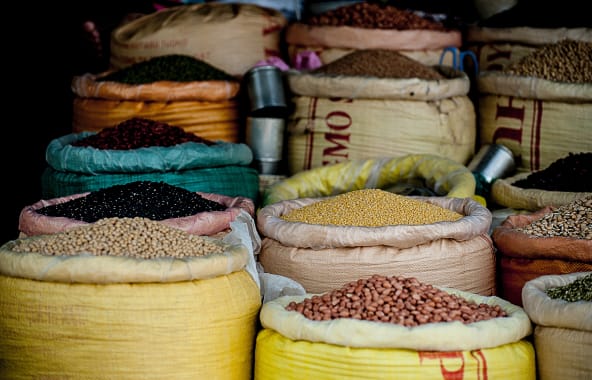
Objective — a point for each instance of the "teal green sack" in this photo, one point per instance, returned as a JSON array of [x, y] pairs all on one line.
[[232, 181], [63, 156]]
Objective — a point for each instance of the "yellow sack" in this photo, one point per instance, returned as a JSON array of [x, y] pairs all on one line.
[[444, 176], [290, 346]]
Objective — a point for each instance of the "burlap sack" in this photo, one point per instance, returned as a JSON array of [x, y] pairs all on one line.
[[339, 119], [321, 257], [496, 48], [563, 330], [504, 193], [540, 120], [230, 37], [524, 257]]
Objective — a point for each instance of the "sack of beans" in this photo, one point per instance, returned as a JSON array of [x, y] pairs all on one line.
[[396, 327], [127, 298], [326, 241], [560, 306], [556, 185], [232, 37], [550, 241], [139, 149], [541, 115], [509, 36], [365, 26], [412, 174], [377, 103], [177, 89], [193, 212]]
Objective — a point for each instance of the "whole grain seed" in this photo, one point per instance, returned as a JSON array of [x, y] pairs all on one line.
[[573, 220], [577, 290], [379, 63], [370, 208], [137, 133], [147, 199], [131, 237], [568, 61], [394, 299], [172, 67], [370, 15], [564, 174]]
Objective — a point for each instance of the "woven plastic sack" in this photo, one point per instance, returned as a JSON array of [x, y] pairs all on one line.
[[63, 156], [504, 193], [210, 120], [456, 254], [539, 120], [238, 35], [290, 346], [31, 222], [563, 329], [444, 176], [524, 257], [121, 317], [229, 180]]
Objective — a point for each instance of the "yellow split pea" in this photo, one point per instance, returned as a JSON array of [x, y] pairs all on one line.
[[371, 208]]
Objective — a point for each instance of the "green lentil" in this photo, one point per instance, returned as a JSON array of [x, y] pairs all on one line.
[[578, 290], [131, 237], [370, 208], [173, 67]]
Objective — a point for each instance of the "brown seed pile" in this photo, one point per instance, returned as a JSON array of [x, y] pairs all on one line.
[[373, 16], [395, 299], [370, 208], [132, 237], [571, 220], [568, 61], [379, 63]]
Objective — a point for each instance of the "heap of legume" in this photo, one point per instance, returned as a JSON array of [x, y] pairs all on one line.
[[137, 133], [565, 61], [564, 174], [173, 67], [132, 237], [373, 16], [578, 290], [147, 199], [380, 64], [572, 220], [395, 299], [370, 208]]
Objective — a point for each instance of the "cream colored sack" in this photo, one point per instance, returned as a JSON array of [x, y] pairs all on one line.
[[231, 37], [563, 332], [456, 254], [541, 121], [505, 194], [496, 48]]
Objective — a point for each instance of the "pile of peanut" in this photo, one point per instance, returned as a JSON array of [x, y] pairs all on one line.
[[396, 299], [132, 237]]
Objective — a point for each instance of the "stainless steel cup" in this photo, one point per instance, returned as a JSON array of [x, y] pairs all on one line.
[[265, 137], [265, 89], [493, 162]]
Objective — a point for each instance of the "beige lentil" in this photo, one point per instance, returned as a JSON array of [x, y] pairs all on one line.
[[380, 64], [370, 208], [394, 299], [567, 61], [132, 237], [571, 220]]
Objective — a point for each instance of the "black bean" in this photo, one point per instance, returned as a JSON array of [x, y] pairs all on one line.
[[147, 199], [570, 173]]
